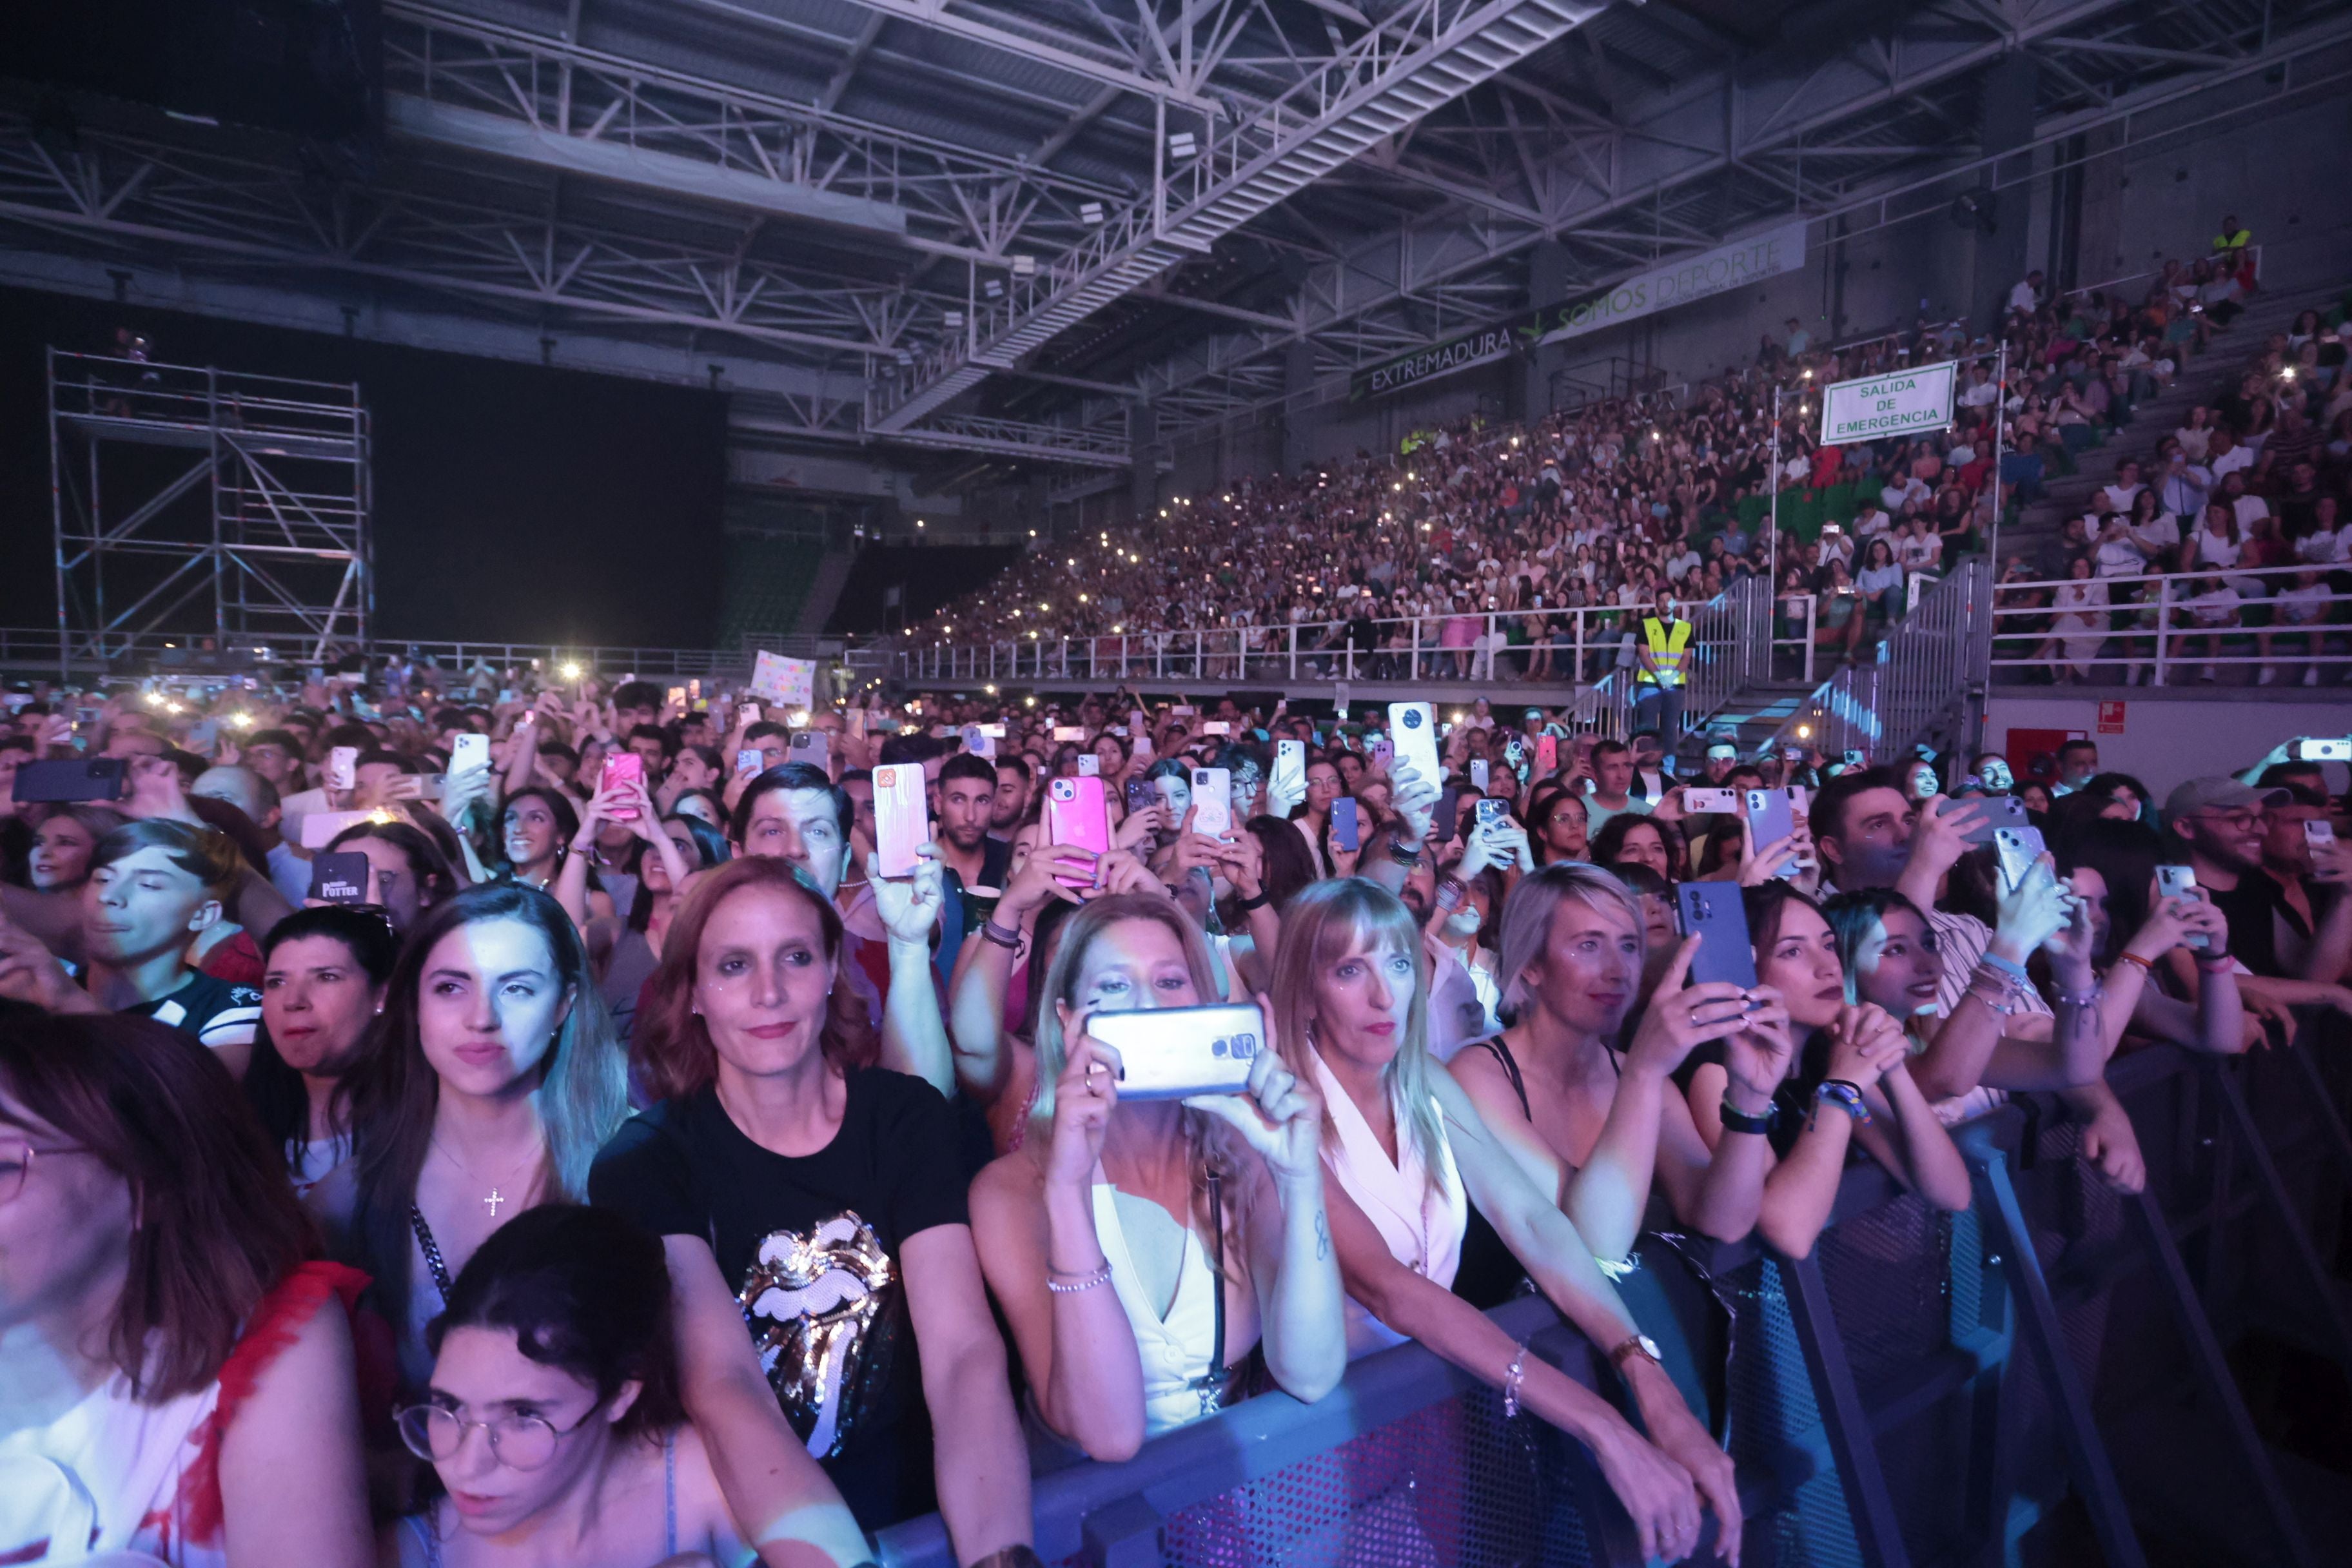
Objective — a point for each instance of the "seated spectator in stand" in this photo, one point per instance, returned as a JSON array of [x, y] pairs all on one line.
[[558, 1344], [180, 1365]]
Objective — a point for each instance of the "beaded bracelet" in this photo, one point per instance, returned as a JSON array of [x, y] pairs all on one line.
[[2087, 997], [1847, 1097], [1084, 1283], [1512, 1377]]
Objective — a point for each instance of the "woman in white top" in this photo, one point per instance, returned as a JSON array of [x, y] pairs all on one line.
[[2079, 625], [1141, 1250], [179, 1371], [1408, 1152]]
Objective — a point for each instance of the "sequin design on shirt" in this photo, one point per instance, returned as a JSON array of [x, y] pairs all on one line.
[[815, 1303]]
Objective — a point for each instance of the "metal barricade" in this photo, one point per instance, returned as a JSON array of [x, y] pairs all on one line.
[[1920, 1387]]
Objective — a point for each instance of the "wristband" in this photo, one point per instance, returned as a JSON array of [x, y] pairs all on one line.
[[1007, 1557], [1246, 906], [1408, 857], [1738, 1121], [2132, 958], [1847, 1097], [2086, 997], [2211, 960], [991, 932], [2017, 971]]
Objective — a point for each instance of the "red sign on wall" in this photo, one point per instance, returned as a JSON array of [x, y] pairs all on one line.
[[2111, 718]]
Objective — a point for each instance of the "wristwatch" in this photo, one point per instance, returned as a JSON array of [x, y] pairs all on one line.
[[1637, 1344]]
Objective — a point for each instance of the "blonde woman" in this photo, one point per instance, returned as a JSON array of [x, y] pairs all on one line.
[[1139, 1251], [1408, 1153]]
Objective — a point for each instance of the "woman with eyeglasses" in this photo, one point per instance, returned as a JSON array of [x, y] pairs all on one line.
[[178, 1367], [552, 1421]]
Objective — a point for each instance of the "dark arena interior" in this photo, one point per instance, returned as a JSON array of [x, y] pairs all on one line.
[[1214, 784]]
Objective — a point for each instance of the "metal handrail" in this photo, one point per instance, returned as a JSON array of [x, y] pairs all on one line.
[[2155, 644], [1934, 662]]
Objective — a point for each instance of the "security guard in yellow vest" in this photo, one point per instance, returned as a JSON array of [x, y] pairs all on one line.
[[2230, 244], [1663, 655]]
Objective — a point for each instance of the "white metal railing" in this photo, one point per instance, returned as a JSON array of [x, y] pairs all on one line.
[[1591, 648], [1930, 665], [2173, 628]]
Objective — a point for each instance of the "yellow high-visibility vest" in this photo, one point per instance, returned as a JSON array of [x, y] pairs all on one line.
[[2237, 241], [1666, 640]]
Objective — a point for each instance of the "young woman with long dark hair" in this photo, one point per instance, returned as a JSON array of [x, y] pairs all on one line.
[[496, 1081]]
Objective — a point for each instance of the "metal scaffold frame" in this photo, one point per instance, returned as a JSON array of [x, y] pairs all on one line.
[[209, 503]]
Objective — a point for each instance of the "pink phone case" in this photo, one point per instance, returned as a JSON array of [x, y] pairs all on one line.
[[1076, 815], [902, 818], [619, 766]]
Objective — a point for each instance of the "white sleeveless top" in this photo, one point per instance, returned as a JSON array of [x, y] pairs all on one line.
[[1175, 1349], [1421, 1227]]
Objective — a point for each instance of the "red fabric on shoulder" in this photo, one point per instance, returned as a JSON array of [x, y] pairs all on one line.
[[237, 960], [276, 1322]]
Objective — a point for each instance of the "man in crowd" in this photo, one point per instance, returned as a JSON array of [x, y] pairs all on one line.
[[2220, 826], [154, 886], [1612, 786]]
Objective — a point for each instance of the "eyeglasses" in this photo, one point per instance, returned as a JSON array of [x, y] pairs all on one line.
[[437, 1433], [17, 1162], [2244, 816]]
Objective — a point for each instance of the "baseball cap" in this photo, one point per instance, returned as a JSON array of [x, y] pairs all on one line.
[[2209, 794]]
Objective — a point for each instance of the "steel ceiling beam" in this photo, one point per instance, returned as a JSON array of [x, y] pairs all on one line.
[[997, 31], [1659, 144], [1336, 313], [1426, 54]]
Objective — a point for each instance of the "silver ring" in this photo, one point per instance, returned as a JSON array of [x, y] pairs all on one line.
[[1694, 1017]]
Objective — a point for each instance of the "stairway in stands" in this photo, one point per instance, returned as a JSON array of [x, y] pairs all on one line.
[[770, 580], [2203, 377]]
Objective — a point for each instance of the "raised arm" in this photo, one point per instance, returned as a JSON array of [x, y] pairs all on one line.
[[914, 1035], [1032, 1225]]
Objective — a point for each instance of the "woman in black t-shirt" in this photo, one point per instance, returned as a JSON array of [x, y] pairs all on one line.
[[816, 1200]]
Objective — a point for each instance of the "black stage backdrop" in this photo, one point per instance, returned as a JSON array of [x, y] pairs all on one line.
[[512, 502]]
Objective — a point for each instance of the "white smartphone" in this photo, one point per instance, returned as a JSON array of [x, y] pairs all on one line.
[[902, 822], [342, 767], [1217, 727], [2017, 848], [812, 747], [1170, 1053], [2180, 882], [1069, 732], [469, 750], [749, 761], [747, 715], [1700, 800], [2310, 750], [1090, 766], [1213, 801], [1479, 773], [1413, 729], [2318, 834], [1289, 768], [978, 741]]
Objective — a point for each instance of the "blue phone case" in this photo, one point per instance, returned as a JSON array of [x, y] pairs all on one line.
[[1345, 832]]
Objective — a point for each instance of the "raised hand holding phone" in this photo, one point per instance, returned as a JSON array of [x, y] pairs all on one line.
[[908, 906]]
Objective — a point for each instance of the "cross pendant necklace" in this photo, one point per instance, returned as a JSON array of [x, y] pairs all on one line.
[[496, 1197]]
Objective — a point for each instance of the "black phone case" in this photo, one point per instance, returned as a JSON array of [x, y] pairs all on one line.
[[64, 780]]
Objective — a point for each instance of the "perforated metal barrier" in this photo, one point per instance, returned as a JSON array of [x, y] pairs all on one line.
[[1924, 1388]]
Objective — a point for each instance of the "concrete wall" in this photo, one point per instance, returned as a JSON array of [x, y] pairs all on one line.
[[2166, 740]]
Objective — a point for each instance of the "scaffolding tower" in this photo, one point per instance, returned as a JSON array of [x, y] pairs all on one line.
[[209, 506]]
